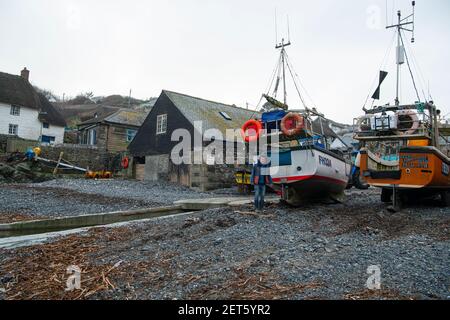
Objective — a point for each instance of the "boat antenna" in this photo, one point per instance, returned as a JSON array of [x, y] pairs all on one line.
[[276, 27], [288, 29], [402, 25]]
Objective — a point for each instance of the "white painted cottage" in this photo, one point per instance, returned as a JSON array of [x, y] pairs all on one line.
[[26, 113]]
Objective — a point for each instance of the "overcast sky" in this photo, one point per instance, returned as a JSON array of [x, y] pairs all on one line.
[[223, 50]]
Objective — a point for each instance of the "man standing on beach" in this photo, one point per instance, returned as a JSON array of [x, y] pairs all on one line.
[[260, 178]]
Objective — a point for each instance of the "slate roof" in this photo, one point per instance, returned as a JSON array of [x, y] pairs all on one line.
[[124, 117], [198, 109], [327, 131], [15, 90]]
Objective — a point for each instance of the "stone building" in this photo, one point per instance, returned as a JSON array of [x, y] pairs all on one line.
[[153, 145], [111, 132]]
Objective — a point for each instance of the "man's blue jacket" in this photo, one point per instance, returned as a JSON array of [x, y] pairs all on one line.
[[258, 174]]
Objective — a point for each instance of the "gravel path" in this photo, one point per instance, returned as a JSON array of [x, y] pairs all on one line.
[[314, 252]]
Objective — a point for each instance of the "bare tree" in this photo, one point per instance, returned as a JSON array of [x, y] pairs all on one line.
[[48, 94]]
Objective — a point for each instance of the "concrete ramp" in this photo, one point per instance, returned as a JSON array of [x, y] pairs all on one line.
[[207, 203]]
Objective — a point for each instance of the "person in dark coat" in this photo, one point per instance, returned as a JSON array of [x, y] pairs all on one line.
[[260, 178]]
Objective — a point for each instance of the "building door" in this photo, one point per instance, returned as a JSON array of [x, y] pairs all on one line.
[[47, 139]]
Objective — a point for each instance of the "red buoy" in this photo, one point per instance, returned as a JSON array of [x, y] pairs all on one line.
[[125, 162], [251, 130]]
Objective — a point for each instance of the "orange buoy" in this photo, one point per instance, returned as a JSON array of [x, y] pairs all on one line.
[[251, 130], [292, 124], [125, 162]]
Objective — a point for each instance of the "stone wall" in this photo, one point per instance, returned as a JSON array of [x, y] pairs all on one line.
[[3, 142], [202, 176], [156, 167], [80, 155], [210, 177], [11, 144]]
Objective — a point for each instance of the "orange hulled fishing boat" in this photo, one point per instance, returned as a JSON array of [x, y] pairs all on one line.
[[404, 148]]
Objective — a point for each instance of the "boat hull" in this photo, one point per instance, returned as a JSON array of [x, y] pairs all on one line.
[[419, 168], [312, 174]]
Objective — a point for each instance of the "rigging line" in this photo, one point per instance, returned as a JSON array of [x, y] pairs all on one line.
[[296, 87], [277, 84], [272, 77], [388, 52], [416, 64], [382, 65], [277, 67], [410, 70], [300, 82], [386, 12], [256, 109]]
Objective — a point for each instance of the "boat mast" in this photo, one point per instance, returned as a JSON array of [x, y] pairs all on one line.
[[281, 46], [402, 23], [399, 61]]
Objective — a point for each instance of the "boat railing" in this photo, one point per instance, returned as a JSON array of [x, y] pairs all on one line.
[[379, 127]]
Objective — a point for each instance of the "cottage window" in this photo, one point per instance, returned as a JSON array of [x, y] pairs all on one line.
[[161, 124], [92, 137], [131, 134], [45, 125], [13, 129], [15, 111]]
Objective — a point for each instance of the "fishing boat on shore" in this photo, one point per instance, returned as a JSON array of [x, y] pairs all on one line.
[[304, 168], [405, 149]]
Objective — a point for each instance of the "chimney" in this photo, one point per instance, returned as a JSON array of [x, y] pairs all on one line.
[[25, 73]]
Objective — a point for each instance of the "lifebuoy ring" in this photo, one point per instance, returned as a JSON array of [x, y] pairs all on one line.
[[251, 130], [292, 124], [407, 126], [364, 123], [125, 162]]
